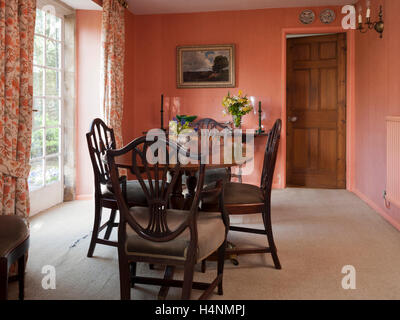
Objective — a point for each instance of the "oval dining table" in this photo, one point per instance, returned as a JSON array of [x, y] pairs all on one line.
[[179, 199]]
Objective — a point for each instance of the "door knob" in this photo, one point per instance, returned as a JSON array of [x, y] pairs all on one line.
[[292, 119]]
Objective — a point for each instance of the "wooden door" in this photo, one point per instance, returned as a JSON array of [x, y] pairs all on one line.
[[316, 109]]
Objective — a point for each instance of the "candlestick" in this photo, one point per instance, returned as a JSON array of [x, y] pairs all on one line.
[[260, 130], [162, 112]]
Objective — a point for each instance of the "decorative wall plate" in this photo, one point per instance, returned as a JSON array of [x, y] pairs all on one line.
[[327, 16], [307, 16]]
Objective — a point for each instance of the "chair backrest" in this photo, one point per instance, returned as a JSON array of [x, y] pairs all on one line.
[[271, 151], [208, 123], [150, 163], [100, 138]]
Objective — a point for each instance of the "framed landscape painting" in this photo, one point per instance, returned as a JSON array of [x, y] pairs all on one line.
[[211, 66]]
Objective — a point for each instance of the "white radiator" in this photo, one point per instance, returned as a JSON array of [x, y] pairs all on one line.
[[393, 161]]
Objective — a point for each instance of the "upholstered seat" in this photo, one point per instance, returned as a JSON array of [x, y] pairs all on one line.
[[235, 193], [208, 223], [134, 192], [13, 231], [14, 244], [213, 175]]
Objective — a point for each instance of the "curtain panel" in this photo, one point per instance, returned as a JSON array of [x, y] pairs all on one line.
[[113, 51], [17, 25]]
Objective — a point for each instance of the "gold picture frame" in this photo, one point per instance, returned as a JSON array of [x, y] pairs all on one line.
[[206, 66]]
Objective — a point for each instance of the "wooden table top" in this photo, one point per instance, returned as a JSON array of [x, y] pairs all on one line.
[[125, 161]]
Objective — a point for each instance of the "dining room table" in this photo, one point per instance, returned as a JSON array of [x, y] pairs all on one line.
[[183, 193]]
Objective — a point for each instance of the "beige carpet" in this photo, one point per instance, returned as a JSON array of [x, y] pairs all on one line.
[[317, 232]]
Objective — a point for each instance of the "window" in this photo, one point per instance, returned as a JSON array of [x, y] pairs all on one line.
[[46, 151]]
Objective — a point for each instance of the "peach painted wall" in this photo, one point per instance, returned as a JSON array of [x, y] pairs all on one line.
[[257, 35], [377, 88], [88, 45], [88, 55]]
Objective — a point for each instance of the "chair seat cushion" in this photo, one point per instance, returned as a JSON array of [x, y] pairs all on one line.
[[213, 175], [134, 193], [210, 229], [13, 231], [236, 193]]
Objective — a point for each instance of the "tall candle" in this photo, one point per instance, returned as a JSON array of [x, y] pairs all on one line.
[[368, 13], [360, 18], [162, 111]]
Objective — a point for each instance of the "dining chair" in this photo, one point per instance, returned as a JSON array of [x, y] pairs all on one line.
[[14, 245], [157, 234], [242, 198], [213, 175], [100, 138]]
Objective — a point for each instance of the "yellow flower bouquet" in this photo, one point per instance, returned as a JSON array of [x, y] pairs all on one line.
[[237, 106]]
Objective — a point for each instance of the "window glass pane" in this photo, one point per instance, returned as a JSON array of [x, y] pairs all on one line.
[[39, 24], [36, 174], [38, 52], [52, 169], [52, 112], [37, 115], [37, 143], [37, 81], [52, 141], [53, 54], [52, 83], [53, 27]]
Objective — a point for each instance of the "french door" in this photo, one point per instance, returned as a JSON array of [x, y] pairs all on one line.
[[46, 176]]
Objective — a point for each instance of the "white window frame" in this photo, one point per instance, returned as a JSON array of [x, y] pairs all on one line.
[[50, 194]]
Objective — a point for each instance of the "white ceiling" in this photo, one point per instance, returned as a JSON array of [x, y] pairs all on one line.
[[82, 4], [185, 6]]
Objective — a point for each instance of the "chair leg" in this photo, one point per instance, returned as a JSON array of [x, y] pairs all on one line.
[[188, 279], [110, 224], [124, 279], [96, 226], [204, 265], [21, 277], [268, 228], [220, 268], [133, 273], [3, 279]]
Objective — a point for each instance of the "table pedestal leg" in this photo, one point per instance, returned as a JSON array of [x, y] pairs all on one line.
[[177, 198], [191, 183]]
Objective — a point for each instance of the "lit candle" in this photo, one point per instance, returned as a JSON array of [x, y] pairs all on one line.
[[368, 9], [360, 15]]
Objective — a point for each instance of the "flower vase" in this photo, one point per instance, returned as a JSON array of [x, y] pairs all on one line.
[[237, 121]]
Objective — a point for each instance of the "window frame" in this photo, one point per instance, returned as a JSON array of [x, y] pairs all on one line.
[[44, 98]]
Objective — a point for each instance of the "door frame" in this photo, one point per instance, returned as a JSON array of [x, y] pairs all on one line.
[[350, 102]]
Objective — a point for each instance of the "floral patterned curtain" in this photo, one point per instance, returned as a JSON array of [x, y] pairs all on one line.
[[17, 24], [113, 49]]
